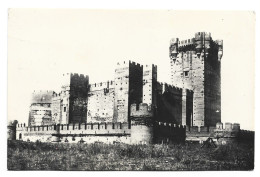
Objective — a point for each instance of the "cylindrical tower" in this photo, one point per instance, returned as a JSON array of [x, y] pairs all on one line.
[[141, 131]]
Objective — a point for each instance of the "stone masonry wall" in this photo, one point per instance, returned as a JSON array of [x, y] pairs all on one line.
[[121, 92], [195, 65], [128, 89], [169, 106], [78, 98], [101, 102], [40, 108]]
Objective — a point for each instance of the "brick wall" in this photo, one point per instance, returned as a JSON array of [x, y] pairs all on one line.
[[101, 103]]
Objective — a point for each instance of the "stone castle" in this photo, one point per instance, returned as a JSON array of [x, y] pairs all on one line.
[[134, 107]]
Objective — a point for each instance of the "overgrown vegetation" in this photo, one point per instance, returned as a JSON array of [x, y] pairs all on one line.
[[51, 156]]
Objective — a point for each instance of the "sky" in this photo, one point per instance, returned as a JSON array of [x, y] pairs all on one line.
[[45, 43]]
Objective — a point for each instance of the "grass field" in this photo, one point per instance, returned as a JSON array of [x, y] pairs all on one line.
[[50, 156]]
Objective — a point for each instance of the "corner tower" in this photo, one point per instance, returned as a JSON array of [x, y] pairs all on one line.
[[196, 65]]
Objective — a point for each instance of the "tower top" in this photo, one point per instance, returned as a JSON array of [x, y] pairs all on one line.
[[202, 42]]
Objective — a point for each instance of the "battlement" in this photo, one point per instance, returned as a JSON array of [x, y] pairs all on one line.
[[149, 67], [191, 41], [67, 78], [76, 75], [93, 126], [168, 87], [127, 63], [21, 125], [230, 130], [195, 44], [73, 128], [41, 96], [101, 85], [219, 127], [186, 42], [135, 64], [200, 35], [142, 110], [56, 95], [174, 41], [169, 124]]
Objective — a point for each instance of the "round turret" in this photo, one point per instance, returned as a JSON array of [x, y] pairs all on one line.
[[174, 48], [228, 126], [141, 131], [219, 125]]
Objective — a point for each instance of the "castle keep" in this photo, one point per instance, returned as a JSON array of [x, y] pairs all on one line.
[[134, 107], [195, 65]]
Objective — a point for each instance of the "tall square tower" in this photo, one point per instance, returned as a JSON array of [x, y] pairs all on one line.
[[128, 89], [73, 98], [196, 65], [149, 85]]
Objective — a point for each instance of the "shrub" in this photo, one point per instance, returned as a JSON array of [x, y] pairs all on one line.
[[64, 156]]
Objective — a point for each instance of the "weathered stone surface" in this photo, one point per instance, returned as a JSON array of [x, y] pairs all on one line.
[[195, 65]]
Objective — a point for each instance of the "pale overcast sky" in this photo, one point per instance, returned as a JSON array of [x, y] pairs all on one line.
[[45, 43]]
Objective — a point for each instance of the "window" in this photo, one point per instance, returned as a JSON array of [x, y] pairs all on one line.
[[64, 109], [186, 73]]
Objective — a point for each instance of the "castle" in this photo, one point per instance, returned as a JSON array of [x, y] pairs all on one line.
[[134, 107]]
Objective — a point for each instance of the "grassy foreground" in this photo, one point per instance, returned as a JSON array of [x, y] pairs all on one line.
[[49, 156]]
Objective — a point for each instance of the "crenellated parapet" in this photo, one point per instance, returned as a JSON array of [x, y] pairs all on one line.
[[141, 110], [165, 87], [202, 44], [41, 96], [166, 133], [101, 86], [56, 132], [56, 95], [127, 63], [229, 131]]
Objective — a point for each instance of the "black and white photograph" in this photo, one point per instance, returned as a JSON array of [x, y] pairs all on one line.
[[130, 90]]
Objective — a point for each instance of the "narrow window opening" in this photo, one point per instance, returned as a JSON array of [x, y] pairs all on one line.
[[186, 73]]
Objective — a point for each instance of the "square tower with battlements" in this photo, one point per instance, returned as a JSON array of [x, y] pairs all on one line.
[[196, 65], [128, 86], [73, 98]]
